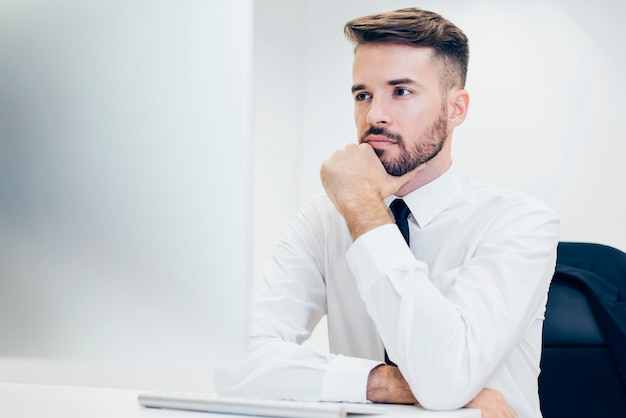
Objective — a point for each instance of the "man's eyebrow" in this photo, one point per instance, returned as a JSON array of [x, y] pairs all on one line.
[[357, 87], [402, 81], [395, 82]]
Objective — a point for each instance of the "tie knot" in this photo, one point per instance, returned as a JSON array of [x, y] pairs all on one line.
[[399, 209]]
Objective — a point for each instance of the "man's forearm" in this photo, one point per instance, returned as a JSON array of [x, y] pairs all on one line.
[[386, 384]]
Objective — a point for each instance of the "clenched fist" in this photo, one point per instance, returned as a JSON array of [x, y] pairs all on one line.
[[356, 182]]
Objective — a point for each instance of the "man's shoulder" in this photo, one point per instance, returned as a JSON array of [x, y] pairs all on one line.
[[487, 195]]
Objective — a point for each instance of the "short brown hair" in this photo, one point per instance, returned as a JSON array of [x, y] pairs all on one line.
[[419, 28]]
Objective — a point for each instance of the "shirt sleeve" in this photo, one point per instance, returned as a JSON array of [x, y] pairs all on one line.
[[289, 302], [447, 341]]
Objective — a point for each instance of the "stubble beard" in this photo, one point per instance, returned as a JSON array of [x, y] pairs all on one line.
[[427, 147]]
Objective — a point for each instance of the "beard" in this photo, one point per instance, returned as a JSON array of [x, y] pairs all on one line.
[[429, 144]]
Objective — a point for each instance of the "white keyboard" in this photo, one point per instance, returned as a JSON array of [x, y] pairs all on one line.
[[256, 407]]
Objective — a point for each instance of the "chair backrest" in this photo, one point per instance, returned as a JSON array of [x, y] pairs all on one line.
[[584, 357]]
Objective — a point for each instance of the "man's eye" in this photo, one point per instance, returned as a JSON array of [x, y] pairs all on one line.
[[402, 92], [362, 96]]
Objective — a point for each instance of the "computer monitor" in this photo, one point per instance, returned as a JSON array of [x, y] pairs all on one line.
[[125, 179]]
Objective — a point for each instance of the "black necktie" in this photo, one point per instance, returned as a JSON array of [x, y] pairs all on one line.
[[401, 213]]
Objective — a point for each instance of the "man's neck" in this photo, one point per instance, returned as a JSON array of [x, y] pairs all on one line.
[[432, 169]]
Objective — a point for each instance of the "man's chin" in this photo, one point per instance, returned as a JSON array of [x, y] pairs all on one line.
[[393, 166], [396, 171]]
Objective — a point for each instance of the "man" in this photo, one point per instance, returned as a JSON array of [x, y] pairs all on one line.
[[459, 310]]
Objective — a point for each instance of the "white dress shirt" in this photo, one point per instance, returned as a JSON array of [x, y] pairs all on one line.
[[461, 310]]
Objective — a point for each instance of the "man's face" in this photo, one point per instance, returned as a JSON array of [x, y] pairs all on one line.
[[399, 108]]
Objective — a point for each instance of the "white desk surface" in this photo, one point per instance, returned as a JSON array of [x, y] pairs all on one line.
[[20, 400]]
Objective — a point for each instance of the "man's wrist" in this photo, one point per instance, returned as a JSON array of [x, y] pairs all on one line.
[[363, 216], [385, 384]]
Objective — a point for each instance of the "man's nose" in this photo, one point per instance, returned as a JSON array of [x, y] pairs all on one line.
[[378, 113]]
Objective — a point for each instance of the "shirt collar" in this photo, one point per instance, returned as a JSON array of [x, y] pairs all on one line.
[[432, 198]]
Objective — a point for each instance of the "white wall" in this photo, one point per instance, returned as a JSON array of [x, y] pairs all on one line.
[[279, 76]]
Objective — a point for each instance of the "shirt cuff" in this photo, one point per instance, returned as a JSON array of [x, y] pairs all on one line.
[[345, 379]]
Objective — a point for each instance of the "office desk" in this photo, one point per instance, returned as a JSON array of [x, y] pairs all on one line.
[[18, 400]]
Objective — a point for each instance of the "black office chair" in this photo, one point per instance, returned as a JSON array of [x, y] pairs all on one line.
[[584, 337]]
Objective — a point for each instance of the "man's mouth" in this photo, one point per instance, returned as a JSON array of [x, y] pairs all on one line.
[[380, 138], [380, 141]]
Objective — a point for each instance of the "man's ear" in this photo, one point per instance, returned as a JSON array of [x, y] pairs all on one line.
[[458, 104]]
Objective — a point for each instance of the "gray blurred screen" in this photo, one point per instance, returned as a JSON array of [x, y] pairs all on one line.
[[125, 179]]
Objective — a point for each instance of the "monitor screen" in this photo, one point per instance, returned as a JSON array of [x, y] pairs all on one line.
[[125, 179]]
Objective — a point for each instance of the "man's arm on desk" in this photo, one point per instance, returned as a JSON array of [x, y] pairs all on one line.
[[385, 384]]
